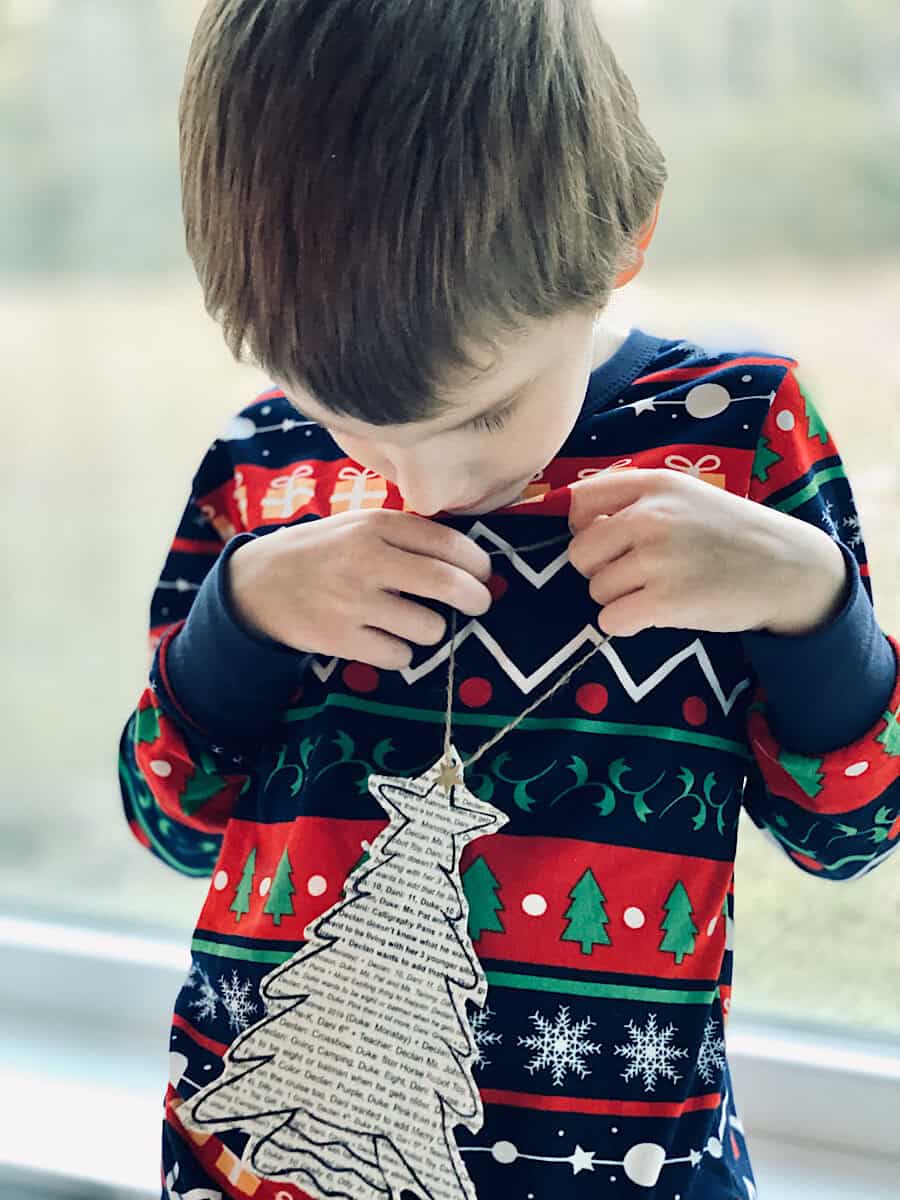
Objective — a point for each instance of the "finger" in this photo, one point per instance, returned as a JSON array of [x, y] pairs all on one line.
[[608, 493], [380, 649], [618, 579], [406, 619], [417, 535], [630, 615], [600, 543], [418, 575]]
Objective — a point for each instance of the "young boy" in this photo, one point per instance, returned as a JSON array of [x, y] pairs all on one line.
[[411, 216]]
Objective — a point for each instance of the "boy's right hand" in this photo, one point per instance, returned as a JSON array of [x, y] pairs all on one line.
[[331, 586]]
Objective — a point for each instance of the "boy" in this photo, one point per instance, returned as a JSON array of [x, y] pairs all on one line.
[[411, 216]]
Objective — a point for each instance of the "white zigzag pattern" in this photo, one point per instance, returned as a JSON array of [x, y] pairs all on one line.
[[637, 690], [527, 683]]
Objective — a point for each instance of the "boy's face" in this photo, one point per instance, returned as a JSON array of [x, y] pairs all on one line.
[[505, 426]]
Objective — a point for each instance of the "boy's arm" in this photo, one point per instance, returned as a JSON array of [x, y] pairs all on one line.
[[824, 725], [190, 748]]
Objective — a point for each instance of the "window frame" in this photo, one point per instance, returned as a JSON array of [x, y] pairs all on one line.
[[116, 989]]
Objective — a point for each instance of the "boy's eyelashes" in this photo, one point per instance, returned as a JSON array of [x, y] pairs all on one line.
[[492, 421]]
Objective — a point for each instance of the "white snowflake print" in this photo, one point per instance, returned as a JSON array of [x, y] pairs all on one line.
[[237, 1002], [855, 538], [711, 1057], [559, 1046], [828, 519], [650, 1053], [207, 1002], [482, 1035]]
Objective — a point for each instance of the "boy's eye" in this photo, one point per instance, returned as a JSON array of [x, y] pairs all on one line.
[[493, 421]]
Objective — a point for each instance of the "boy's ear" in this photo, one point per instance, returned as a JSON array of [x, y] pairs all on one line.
[[645, 237]]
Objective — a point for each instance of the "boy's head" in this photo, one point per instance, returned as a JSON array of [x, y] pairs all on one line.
[[404, 210]]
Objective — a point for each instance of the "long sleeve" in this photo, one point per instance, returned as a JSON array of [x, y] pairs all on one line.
[[824, 724], [188, 750]]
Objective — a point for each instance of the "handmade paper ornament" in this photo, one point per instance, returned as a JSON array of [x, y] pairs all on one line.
[[354, 1081]]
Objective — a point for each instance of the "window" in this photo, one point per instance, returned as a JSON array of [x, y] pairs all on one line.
[[779, 226]]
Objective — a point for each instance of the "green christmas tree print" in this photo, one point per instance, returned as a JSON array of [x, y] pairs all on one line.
[[681, 932], [806, 772], [241, 903], [890, 735], [202, 786], [815, 426], [279, 902], [480, 888], [146, 727], [765, 457], [586, 915]]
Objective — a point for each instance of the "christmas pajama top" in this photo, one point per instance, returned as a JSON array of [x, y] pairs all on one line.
[[601, 913]]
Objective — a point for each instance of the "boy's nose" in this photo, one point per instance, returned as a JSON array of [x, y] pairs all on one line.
[[427, 490]]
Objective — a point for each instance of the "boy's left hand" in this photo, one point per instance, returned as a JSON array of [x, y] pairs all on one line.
[[675, 551]]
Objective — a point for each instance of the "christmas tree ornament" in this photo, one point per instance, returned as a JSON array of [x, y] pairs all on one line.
[[353, 1082]]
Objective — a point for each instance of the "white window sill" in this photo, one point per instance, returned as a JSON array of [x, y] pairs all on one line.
[[84, 1024]]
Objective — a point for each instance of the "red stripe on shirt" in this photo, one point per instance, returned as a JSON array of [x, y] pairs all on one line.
[[618, 1108], [677, 373], [191, 546]]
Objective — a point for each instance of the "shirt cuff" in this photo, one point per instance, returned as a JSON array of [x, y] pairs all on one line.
[[232, 682], [826, 688]]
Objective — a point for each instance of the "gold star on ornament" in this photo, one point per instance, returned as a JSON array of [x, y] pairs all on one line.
[[449, 775]]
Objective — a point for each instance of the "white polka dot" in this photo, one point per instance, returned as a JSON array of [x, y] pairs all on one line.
[[265, 453], [746, 379], [309, 433], [593, 437], [785, 420], [534, 905], [857, 768], [504, 1152], [726, 1003], [165, 612], [614, 1129], [220, 883], [707, 400], [317, 885], [264, 885], [561, 1132], [207, 1066], [612, 1179], [160, 767], [746, 426], [265, 411], [633, 917], [714, 1147], [711, 927]]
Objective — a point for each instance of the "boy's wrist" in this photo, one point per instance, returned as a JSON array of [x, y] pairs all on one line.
[[820, 591], [232, 682]]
